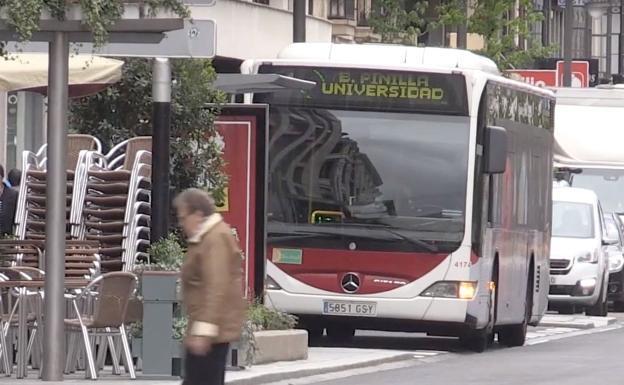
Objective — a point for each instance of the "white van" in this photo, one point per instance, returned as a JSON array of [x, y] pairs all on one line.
[[578, 260]]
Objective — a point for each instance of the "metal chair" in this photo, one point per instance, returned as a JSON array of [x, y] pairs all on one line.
[[100, 310]]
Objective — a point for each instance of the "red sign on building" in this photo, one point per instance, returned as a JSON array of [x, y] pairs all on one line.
[[554, 77], [539, 78]]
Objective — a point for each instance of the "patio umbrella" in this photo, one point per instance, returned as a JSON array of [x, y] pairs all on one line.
[[88, 74]]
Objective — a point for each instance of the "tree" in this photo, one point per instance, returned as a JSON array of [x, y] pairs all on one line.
[[502, 24], [398, 21], [124, 110]]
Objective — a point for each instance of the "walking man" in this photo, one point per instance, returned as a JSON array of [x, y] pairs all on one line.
[[212, 288]]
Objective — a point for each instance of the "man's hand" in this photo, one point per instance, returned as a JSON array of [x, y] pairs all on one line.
[[198, 345]]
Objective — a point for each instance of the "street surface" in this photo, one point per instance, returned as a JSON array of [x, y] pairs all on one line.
[[552, 356]]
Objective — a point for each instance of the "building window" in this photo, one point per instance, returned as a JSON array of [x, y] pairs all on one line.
[[342, 9], [265, 2], [311, 7]]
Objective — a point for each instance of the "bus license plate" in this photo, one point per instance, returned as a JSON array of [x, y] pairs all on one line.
[[362, 309]]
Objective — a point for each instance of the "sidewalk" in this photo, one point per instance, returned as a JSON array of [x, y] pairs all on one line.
[[320, 361]]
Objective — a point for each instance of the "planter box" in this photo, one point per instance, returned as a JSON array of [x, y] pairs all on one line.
[[280, 345]]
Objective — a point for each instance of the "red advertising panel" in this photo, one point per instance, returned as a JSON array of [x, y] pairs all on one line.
[[539, 78], [239, 137]]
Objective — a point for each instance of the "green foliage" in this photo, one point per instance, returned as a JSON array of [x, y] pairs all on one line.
[[500, 32], [265, 318], [124, 110], [398, 21], [167, 254], [99, 16]]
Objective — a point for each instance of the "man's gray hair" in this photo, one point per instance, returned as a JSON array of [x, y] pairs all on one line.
[[195, 200]]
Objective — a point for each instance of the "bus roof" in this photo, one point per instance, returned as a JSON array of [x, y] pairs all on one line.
[[386, 54]]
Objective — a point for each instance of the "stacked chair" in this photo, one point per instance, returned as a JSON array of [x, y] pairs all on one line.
[[31, 205], [108, 228], [116, 210], [108, 198]]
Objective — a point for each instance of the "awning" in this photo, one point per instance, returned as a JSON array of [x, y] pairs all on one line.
[[88, 74]]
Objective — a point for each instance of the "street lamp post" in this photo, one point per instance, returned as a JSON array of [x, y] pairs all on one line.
[[567, 44]]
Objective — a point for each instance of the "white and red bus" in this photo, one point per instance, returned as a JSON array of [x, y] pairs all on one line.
[[409, 190]]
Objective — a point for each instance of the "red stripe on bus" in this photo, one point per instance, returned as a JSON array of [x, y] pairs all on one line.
[[377, 271]]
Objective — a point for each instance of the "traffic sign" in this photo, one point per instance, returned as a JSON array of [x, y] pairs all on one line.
[[539, 78], [580, 73], [198, 40]]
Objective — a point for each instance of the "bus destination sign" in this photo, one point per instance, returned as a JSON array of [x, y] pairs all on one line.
[[365, 89]]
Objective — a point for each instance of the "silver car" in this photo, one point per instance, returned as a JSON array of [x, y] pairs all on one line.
[[578, 255]]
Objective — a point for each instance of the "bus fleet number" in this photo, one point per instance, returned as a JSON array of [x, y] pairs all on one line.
[[463, 264]]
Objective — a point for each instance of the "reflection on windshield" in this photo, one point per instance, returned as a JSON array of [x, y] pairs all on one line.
[[607, 184], [572, 220], [338, 169]]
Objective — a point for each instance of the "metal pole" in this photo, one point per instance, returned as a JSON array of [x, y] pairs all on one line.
[[609, 52], [54, 307], [299, 21], [567, 43], [621, 47], [161, 119], [546, 23]]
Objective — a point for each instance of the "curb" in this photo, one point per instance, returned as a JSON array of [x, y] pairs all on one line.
[[290, 375], [580, 324]]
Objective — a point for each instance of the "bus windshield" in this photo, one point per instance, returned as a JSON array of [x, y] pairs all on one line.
[[376, 178], [342, 169], [607, 184]]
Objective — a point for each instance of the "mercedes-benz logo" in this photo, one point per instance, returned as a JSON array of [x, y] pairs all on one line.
[[350, 283]]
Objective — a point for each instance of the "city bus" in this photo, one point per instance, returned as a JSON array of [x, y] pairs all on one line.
[[409, 190]]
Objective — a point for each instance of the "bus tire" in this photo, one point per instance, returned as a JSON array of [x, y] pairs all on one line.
[[340, 333], [477, 340], [515, 335]]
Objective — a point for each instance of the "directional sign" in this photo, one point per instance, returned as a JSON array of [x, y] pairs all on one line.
[[205, 3], [198, 40]]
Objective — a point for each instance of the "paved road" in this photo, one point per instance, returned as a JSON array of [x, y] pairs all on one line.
[[589, 359]]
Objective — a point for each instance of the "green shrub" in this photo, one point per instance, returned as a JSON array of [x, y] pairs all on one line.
[[264, 318]]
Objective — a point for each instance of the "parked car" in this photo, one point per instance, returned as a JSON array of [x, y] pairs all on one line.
[[578, 257], [614, 231]]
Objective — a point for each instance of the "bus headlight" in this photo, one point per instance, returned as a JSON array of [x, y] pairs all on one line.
[[271, 284], [451, 289]]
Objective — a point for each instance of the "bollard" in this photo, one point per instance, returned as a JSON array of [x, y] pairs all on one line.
[[159, 297]]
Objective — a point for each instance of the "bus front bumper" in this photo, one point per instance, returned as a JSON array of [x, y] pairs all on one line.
[[411, 310]]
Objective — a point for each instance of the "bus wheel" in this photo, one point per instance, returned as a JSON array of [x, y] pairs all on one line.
[[515, 335], [340, 333], [477, 340]]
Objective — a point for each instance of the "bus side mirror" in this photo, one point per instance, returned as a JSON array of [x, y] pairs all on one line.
[[495, 150]]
